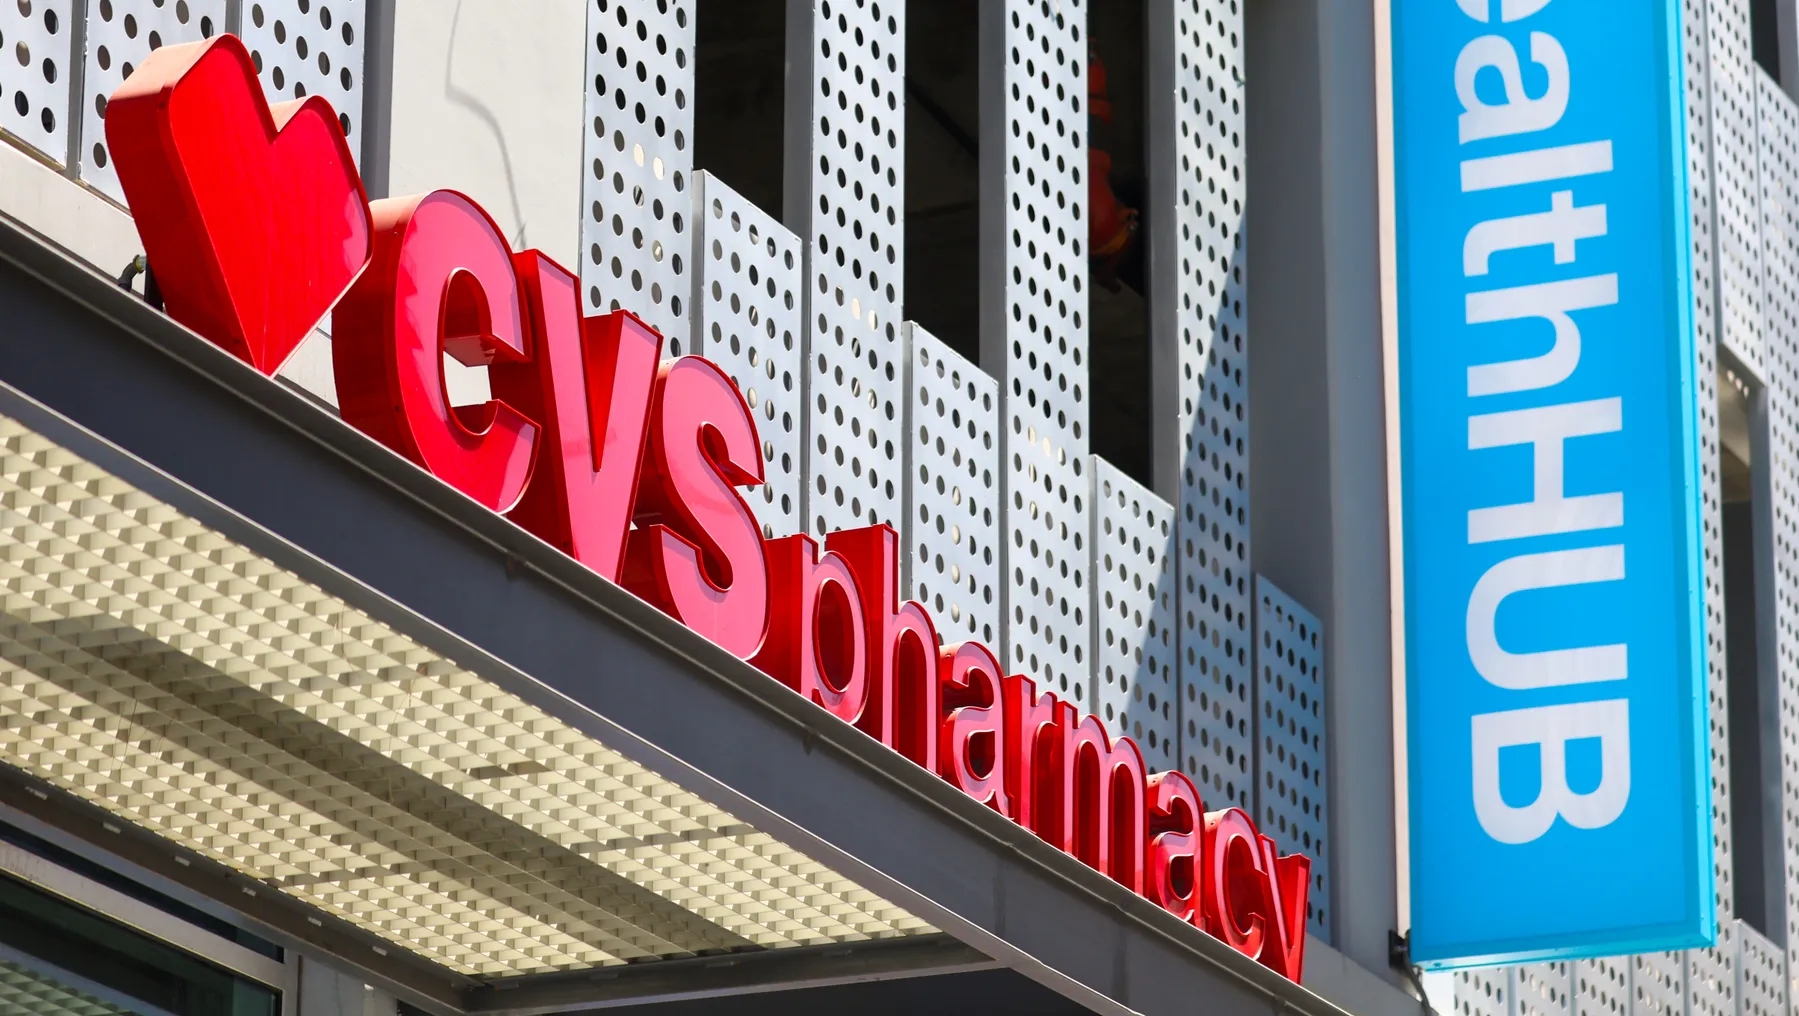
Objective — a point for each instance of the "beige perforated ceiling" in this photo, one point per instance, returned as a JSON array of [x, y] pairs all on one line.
[[175, 678]]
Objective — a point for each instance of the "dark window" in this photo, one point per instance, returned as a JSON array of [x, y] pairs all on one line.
[[740, 60], [943, 140], [1119, 221], [1764, 28], [136, 890], [1751, 682], [85, 946], [943, 206]]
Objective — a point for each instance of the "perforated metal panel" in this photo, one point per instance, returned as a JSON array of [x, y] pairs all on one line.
[[1712, 977], [1602, 987], [1761, 974], [1035, 279], [952, 490], [119, 35], [746, 318], [1718, 81], [639, 153], [1484, 992], [845, 194], [1731, 66], [1544, 989], [310, 47], [1777, 123], [1197, 312], [1658, 985], [1291, 796], [1134, 643], [35, 53]]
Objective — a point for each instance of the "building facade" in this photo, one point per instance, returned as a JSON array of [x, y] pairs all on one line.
[[294, 729]]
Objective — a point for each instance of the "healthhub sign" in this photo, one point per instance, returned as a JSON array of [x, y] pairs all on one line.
[[1554, 644]]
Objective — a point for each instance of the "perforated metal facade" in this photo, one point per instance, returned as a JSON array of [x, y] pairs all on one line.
[[747, 277], [845, 192], [1778, 133], [1134, 685], [952, 516], [1199, 323], [1657, 984], [1761, 975], [299, 47], [636, 231], [119, 34], [35, 74], [1543, 989], [1036, 335], [310, 47], [1726, 44], [1291, 803], [1602, 987], [1731, 81], [1484, 992], [1711, 976]]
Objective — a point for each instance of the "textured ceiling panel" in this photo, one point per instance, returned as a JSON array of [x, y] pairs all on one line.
[[181, 681]]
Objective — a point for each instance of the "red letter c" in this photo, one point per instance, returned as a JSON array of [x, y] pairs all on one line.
[[441, 282]]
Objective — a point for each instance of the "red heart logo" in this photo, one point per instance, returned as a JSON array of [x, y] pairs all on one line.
[[254, 218]]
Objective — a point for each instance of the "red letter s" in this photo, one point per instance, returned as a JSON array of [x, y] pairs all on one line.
[[697, 552]]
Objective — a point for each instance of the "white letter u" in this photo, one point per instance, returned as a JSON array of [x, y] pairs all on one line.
[[1550, 667]]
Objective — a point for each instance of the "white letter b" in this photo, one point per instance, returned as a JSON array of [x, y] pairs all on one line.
[[1550, 728]]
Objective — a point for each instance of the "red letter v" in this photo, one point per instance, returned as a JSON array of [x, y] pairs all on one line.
[[589, 380], [1289, 888]]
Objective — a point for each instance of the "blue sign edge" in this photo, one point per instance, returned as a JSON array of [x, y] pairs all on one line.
[[1700, 928]]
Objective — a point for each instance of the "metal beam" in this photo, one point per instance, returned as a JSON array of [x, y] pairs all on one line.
[[711, 977]]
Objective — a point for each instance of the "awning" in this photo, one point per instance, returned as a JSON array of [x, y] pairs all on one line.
[[177, 679]]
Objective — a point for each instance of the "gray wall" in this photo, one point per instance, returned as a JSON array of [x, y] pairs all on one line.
[[1318, 499]]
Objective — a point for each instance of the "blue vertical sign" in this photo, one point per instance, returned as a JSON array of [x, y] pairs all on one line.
[[1555, 659]]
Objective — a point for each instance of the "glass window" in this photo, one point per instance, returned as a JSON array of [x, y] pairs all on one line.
[[114, 962]]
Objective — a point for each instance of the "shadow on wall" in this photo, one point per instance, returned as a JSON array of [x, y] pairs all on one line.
[[1216, 710], [471, 101]]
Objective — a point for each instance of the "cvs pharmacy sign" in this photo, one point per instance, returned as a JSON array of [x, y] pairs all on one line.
[[257, 226]]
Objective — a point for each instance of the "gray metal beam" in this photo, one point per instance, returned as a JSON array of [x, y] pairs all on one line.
[[713, 977]]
